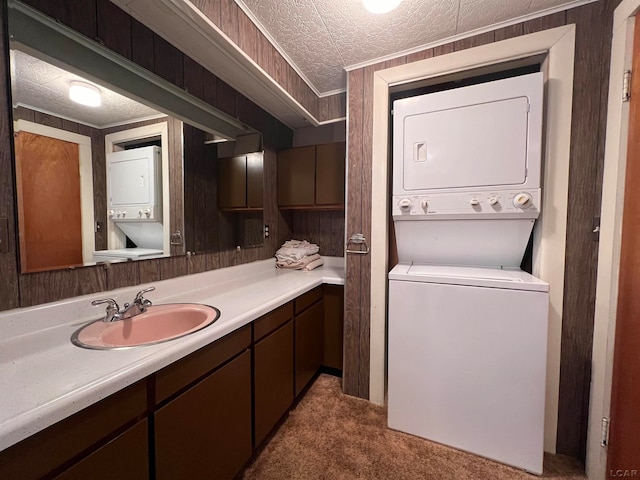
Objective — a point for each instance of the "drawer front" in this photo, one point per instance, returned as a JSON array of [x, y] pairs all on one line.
[[305, 300], [36, 456], [177, 376], [272, 320]]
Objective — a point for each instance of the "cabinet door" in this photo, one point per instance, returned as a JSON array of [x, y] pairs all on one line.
[[330, 170], [296, 177], [206, 431], [126, 456], [273, 379], [333, 325], [232, 182], [255, 180], [309, 327]]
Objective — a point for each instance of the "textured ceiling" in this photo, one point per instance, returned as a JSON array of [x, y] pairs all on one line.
[[41, 86], [322, 37]]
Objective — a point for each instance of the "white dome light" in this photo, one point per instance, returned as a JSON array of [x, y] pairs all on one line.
[[85, 94], [380, 6]]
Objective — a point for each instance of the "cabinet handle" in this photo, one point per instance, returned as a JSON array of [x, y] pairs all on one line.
[[358, 239]]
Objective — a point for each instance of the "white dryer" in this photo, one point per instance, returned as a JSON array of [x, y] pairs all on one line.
[[468, 329]]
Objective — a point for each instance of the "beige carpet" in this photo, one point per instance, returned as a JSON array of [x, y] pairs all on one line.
[[332, 436]]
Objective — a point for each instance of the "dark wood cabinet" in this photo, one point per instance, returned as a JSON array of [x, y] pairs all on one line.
[[126, 456], [309, 332], [206, 431], [200, 417], [330, 170], [240, 182], [273, 379], [55, 449], [312, 177], [333, 326]]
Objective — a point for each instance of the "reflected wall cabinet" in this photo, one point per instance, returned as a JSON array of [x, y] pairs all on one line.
[[240, 181]]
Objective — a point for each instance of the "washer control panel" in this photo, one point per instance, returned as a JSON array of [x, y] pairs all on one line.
[[512, 203]]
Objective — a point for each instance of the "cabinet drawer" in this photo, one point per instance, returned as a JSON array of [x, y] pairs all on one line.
[[272, 320], [36, 456], [126, 456], [305, 300], [177, 376]]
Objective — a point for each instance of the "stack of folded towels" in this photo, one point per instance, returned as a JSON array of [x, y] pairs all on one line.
[[298, 255]]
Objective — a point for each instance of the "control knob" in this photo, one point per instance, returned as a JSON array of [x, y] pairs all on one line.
[[494, 201], [111, 213], [147, 212], [405, 204], [424, 204], [474, 202], [522, 200]]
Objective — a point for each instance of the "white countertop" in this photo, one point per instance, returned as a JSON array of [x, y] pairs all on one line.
[[44, 378]]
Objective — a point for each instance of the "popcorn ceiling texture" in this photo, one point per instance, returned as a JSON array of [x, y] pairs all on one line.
[[322, 37], [41, 86]]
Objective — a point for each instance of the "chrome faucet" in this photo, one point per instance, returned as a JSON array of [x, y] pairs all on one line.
[[138, 306]]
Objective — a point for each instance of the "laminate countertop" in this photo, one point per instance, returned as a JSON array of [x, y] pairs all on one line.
[[45, 378]]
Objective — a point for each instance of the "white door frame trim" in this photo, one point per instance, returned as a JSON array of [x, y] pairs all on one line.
[[615, 161], [549, 247], [86, 178], [115, 239]]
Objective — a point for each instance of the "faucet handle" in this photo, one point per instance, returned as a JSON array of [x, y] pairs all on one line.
[[113, 305], [112, 308], [140, 299]]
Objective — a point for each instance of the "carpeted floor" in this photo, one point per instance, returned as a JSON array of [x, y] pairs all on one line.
[[332, 436]]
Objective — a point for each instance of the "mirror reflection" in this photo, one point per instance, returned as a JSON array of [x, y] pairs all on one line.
[[106, 178]]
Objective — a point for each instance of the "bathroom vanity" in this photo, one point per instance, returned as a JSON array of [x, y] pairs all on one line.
[[193, 407]]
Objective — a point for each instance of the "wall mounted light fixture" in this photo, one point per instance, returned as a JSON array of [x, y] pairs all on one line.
[[85, 94]]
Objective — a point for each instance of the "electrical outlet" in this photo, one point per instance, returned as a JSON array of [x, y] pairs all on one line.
[[4, 235], [266, 231]]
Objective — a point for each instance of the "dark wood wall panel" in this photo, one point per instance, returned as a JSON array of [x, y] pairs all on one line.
[[593, 44], [142, 45], [353, 351], [584, 205], [43, 287], [9, 296], [114, 28], [326, 229]]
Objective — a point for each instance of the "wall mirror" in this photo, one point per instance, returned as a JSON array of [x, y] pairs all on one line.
[[136, 177]]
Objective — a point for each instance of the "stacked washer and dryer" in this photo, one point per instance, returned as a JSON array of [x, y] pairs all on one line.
[[467, 328]]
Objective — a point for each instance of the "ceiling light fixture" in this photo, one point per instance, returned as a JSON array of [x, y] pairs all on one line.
[[85, 94], [380, 6]]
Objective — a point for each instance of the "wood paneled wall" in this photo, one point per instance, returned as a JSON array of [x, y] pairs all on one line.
[[324, 228], [593, 44], [234, 23], [100, 19]]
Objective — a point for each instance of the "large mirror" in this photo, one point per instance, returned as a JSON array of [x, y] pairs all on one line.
[[105, 175]]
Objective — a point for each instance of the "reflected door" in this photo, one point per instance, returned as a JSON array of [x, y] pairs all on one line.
[[49, 211]]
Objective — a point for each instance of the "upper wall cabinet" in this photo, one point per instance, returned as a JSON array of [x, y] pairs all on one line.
[[240, 181], [312, 177]]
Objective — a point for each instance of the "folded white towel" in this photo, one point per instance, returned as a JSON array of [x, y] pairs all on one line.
[[291, 263], [296, 249], [314, 264]]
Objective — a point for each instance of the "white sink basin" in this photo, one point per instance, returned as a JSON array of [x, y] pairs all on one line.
[[160, 323]]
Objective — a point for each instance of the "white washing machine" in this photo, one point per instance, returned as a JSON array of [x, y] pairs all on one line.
[[467, 359], [467, 329]]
